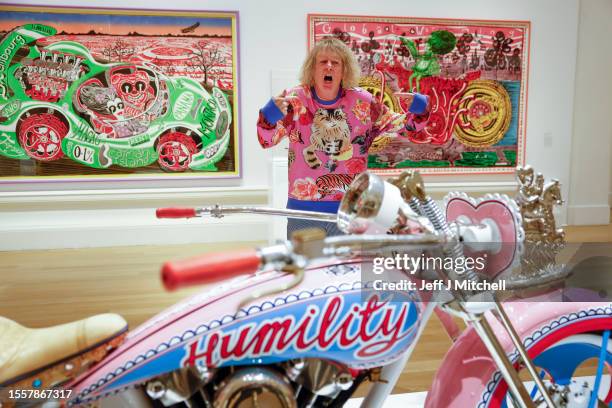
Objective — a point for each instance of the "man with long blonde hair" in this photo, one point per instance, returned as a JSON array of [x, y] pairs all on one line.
[[330, 123]]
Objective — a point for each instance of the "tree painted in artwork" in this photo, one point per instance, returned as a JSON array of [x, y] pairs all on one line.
[[119, 50], [463, 49], [205, 57], [495, 57]]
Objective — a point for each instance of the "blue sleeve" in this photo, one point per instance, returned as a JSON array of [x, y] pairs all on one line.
[[272, 113], [419, 104]]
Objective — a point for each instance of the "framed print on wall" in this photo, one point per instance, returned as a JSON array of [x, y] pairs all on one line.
[[475, 73], [98, 93]]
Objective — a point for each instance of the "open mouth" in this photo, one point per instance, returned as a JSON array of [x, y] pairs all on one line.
[[328, 79], [136, 99]]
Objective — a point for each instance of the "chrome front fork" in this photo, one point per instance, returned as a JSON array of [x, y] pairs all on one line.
[[413, 191], [477, 319]]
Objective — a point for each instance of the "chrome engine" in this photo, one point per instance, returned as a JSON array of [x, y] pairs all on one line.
[[255, 387], [300, 383]]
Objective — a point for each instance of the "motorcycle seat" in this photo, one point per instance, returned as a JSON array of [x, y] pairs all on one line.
[[45, 357]]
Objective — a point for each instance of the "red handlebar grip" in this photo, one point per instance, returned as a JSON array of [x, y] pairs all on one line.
[[176, 213], [209, 268]]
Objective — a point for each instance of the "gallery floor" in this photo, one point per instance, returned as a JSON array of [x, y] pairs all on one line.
[[40, 288]]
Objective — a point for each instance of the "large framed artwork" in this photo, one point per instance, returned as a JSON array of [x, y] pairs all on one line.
[[475, 73], [99, 93]]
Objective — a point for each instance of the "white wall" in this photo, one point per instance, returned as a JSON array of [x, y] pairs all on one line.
[[269, 43], [591, 166]]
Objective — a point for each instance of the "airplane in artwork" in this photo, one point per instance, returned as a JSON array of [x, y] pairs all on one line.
[[191, 28]]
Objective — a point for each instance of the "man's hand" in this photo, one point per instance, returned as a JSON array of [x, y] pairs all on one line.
[[423, 106], [281, 103], [288, 104], [408, 97]]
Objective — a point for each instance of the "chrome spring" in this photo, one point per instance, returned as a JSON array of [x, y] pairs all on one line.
[[414, 205], [433, 212]]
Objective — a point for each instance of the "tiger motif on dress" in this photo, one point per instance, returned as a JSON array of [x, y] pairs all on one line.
[[332, 136], [330, 183]]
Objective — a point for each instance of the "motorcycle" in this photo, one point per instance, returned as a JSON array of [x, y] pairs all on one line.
[[305, 322]]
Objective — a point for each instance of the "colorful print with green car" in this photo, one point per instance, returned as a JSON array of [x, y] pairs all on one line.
[[58, 100]]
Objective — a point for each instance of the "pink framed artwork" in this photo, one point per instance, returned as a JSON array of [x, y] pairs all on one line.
[[475, 73]]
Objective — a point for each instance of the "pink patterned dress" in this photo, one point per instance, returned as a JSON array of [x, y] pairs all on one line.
[[328, 140]]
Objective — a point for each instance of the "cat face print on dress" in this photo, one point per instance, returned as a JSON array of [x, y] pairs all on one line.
[[331, 135]]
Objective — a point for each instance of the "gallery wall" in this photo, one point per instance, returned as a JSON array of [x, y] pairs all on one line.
[[591, 166], [272, 45]]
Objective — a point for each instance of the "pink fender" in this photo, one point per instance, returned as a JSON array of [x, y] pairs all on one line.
[[468, 368]]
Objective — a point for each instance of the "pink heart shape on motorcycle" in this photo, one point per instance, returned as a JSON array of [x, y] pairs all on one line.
[[487, 211]]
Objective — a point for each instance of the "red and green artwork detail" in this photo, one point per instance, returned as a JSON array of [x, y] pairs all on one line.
[[474, 73]]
